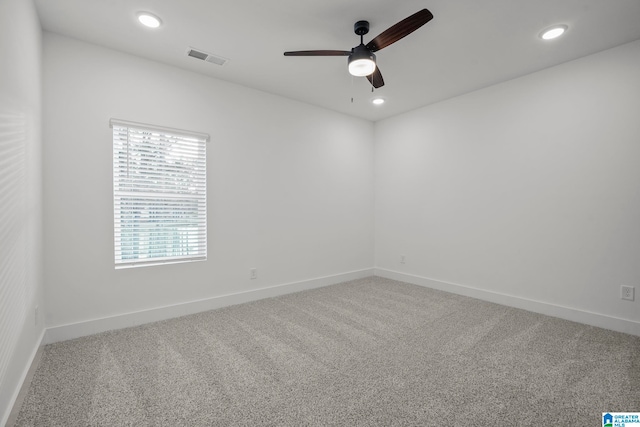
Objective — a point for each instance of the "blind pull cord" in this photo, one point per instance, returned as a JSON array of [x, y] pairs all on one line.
[[128, 133]]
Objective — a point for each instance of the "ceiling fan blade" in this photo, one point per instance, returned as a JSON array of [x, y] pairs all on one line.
[[400, 30], [376, 79], [318, 53]]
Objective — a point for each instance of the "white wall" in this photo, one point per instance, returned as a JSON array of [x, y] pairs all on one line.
[[530, 188], [290, 186], [20, 195]]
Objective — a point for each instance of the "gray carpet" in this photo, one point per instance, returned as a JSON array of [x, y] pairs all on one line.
[[370, 352]]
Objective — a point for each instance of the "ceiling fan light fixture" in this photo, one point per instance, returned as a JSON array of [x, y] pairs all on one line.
[[362, 62], [362, 67]]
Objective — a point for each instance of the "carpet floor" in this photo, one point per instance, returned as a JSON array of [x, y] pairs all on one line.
[[370, 352]]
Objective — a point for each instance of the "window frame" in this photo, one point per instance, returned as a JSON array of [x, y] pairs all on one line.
[[158, 189]]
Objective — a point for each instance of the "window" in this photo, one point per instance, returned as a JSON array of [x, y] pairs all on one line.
[[159, 195]]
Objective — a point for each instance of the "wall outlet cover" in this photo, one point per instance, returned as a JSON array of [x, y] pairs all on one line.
[[627, 292]]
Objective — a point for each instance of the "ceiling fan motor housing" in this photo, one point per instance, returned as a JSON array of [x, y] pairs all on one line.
[[361, 52]]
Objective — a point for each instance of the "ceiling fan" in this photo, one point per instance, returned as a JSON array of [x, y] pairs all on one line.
[[362, 60]]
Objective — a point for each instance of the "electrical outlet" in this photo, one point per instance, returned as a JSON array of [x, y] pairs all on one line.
[[627, 292], [253, 274], [403, 259]]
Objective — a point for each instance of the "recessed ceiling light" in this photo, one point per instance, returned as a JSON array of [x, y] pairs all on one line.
[[149, 20], [377, 101], [553, 32]]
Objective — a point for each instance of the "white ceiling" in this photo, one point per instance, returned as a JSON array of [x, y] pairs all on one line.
[[468, 45]]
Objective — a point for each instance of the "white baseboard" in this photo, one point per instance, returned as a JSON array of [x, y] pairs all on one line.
[[94, 326], [11, 411], [594, 319]]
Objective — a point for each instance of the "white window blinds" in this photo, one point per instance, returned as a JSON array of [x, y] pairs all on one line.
[[159, 194]]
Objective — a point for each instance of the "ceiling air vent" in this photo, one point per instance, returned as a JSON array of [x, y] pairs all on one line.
[[208, 57]]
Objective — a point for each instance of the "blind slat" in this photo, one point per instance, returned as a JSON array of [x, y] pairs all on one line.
[[159, 183]]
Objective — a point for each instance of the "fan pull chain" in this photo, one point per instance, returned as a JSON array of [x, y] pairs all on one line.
[[352, 89]]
